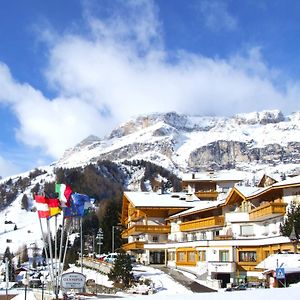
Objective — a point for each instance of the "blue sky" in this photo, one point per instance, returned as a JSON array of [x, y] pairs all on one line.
[[73, 68]]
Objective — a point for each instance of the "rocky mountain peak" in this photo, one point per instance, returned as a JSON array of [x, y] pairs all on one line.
[[183, 143]]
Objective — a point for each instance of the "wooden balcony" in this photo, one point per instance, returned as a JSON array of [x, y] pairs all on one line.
[[136, 215], [200, 224], [138, 229], [207, 194], [223, 237], [267, 210], [133, 246]]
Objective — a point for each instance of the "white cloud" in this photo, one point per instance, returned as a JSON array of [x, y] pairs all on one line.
[[120, 69], [7, 168], [215, 15]]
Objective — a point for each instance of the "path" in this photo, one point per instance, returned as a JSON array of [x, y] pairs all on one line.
[[178, 276]]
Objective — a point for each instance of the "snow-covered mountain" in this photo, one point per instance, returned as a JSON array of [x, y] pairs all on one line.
[[254, 143], [183, 143]]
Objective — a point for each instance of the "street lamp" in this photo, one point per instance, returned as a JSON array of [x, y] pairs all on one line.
[[25, 282], [294, 238], [113, 237], [42, 279]]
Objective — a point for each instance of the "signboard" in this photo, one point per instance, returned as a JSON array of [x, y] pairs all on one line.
[[280, 274], [73, 280]]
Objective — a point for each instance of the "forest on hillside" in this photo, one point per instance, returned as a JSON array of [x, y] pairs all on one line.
[[104, 181]]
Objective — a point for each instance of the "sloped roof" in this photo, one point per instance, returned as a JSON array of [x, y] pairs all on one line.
[[200, 206], [212, 177], [289, 181], [150, 199], [283, 260]]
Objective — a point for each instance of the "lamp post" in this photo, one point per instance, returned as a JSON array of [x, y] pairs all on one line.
[[294, 238], [113, 237], [42, 281], [25, 282]]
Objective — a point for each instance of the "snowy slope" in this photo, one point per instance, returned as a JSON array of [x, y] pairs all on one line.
[[23, 227]]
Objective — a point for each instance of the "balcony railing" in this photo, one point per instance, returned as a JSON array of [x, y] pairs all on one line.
[[207, 194], [266, 210], [136, 215], [223, 237], [133, 246], [210, 222], [138, 229]]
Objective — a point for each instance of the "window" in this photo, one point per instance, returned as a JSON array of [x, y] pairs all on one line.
[[155, 239], [266, 229], [224, 255], [171, 255], [202, 255], [191, 256], [246, 230], [203, 236], [181, 256], [245, 206], [247, 256]]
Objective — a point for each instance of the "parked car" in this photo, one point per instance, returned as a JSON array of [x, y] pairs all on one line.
[[102, 257], [111, 257]]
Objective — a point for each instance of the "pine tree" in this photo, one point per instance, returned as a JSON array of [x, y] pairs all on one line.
[[121, 273], [292, 219], [11, 268], [24, 254], [24, 202]]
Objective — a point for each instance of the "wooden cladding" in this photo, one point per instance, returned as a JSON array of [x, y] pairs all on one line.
[[265, 210], [138, 229], [133, 246], [207, 194], [199, 224]]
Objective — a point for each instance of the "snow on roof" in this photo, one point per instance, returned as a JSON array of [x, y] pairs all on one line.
[[200, 205], [291, 180], [248, 190], [284, 260], [150, 199], [216, 177]]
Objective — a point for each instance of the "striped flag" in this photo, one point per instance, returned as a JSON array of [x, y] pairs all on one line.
[[54, 207], [64, 193], [42, 206]]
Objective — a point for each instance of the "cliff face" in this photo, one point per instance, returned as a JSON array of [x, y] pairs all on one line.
[[235, 155], [196, 143]]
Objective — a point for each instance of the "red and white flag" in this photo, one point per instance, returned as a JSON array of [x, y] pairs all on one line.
[[42, 206]]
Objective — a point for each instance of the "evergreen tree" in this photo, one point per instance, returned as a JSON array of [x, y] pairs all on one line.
[[292, 220], [108, 220], [11, 268], [72, 253], [24, 202], [24, 254], [121, 273]]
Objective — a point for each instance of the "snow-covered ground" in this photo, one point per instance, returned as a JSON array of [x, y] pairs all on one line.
[[167, 288], [163, 283]]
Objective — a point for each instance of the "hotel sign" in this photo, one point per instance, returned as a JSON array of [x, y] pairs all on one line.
[[73, 280]]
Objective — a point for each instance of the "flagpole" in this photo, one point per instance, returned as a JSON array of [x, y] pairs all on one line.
[[50, 250], [45, 247], [61, 241], [66, 246], [81, 245], [56, 270]]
